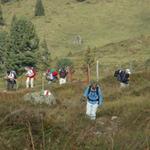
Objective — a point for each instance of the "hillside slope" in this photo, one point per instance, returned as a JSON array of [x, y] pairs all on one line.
[[122, 123], [98, 22]]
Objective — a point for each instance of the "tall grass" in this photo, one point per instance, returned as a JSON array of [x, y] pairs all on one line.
[[65, 126]]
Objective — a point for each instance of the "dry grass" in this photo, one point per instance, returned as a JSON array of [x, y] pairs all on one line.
[[65, 125]]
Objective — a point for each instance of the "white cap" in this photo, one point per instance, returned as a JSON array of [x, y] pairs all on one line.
[[128, 71]]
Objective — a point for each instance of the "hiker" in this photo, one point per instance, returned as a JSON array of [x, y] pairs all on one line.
[[62, 76], [94, 98], [11, 79], [123, 77], [30, 77], [51, 75]]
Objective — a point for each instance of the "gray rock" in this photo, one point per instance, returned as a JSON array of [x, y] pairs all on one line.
[[39, 98]]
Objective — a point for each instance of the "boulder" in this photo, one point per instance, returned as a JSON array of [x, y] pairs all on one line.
[[40, 98]]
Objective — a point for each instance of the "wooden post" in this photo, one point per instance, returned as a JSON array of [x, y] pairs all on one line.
[[97, 70], [69, 74], [89, 74]]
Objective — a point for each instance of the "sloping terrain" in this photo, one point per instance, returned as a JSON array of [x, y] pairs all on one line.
[[122, 122], [98, 22]]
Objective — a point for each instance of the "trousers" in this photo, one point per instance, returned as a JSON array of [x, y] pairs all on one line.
[[62, 81], [91, 110], [29, 82]]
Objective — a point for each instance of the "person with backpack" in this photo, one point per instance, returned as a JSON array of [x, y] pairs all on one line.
[[94, 98], [11, 78], [62, 76], [51, 75], [30, 74], [123, 77]]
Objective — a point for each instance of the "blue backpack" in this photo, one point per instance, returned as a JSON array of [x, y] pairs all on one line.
[[89, 91]]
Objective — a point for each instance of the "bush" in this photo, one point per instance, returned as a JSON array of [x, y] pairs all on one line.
[[64, 62]]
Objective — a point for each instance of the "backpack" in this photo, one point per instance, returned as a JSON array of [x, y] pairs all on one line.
[[96, 91], [55, 73], [14, 73], [119, 74], [34, 71], [125, 77], [63, 73]]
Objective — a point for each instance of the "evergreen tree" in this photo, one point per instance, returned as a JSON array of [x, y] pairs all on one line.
[[45, 56], [1, 17], [24, 44], [89, 58], [39, 8], [4, 46]]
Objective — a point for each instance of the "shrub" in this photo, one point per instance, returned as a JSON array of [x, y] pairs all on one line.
[[64, 62]]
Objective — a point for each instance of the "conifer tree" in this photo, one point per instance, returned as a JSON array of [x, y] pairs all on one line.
[[24, 44], [89, 58], [44, 56], [39, 8], [2, 22], [4, 47]]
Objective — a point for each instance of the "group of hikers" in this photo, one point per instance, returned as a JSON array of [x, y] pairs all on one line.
[[51, 75], [92, 93]]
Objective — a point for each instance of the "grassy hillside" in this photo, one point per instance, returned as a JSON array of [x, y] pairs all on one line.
[[98, 22], [118, 33], [65, 125]]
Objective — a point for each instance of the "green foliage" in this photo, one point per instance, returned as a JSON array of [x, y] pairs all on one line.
[[89, 58], [44, 56], [5, 1], [24, 44], [147, 64], [2, 22], [39, 8], [4, 46], [64, 62]]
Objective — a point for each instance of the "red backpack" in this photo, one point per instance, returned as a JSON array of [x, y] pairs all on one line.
[[34, 71]]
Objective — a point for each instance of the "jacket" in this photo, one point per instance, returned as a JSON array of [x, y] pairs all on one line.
[[93, 96]]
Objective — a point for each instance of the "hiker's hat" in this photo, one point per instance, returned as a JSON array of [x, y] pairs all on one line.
[[92, 82], [128, 71]]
